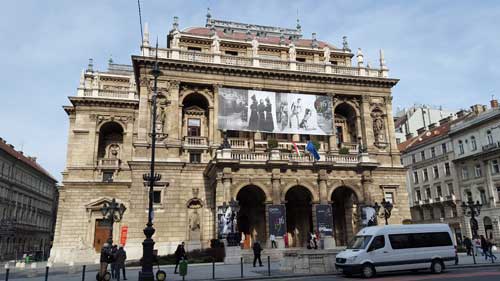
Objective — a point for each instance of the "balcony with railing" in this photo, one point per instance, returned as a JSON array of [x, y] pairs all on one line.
[[265, 62], [195, 142], [109, 163], [109, 94]]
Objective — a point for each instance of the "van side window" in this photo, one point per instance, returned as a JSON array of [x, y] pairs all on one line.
[[400, 241], [377, 243], [420, 240]]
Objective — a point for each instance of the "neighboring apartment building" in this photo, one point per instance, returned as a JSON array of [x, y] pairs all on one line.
[[408, 121], [459, 160], [476, 142], [28, 202], [431, 175], [257, 85]]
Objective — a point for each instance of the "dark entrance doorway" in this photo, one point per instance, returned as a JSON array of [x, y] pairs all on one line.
[[252, 214], [344, 206], [298, 216]]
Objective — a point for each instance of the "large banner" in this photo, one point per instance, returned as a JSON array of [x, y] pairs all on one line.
[[284, 113], [324, 220], [277, 220]]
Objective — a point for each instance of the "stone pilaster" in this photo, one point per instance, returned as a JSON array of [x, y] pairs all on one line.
[[323, 196], [390, 130], [366, 125], [276, 186]]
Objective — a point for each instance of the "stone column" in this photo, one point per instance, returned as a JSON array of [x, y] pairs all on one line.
[[323, 194], [367, 137], [390, 130], [332, 140], [173, 112], [210, 128], [276, 186], [490, 191], [144, 110], [215, 122]]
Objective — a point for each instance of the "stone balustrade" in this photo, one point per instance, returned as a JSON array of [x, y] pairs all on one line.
[[109, 163], [195, 141], [239, 143], [109, 94], [270, 63]]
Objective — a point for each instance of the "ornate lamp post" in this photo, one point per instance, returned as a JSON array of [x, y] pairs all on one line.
[[146, 273], [113, 212], [472, 210]]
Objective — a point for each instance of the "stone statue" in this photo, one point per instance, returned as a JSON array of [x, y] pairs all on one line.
[[215, 45], [114, 150], [194, 226], [255, 48], [378, 126], [326, 54], [161, 116], [360, 57], [292, 53], [176, 38]]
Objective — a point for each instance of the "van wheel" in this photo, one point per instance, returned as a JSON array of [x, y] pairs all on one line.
[[368, 271], [437, 266]]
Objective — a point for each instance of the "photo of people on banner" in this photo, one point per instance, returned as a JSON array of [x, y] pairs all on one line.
[[284, 113]]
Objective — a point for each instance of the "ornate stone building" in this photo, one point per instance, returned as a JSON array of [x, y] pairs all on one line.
[[211, 81], [28, 203]]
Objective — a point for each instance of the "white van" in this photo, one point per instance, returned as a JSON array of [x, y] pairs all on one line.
[[398, 247]]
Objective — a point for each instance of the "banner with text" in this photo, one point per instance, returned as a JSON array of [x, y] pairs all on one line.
[[272, 112], [324, 220], [277, 220]]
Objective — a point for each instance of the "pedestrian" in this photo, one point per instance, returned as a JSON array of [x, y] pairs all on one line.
[[477, 245], [273, 241], [485, 247], [120, 258], [468, 245], [180, 254], [257, 249], [104, 259], [114, 249], [315, 240], [491, 245]]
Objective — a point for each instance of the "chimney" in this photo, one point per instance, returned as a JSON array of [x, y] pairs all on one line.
[[445, 120], [421, 131], [494, 103], [461, 113], [432, 126], [478, 108], [409, 136]]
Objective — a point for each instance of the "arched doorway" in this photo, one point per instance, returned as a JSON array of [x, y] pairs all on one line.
[[345, 125], [344, 206], [298, 215], [488, 227], [252, 214]]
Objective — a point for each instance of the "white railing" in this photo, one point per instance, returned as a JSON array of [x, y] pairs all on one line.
[[238, 143], [342, 159], [249, 156], [196, 56], [294, 157], [274, 64], [310, 67], [345, 70], [353, 147], [239, 61], [109, 163], [195, 141], [113, 94]]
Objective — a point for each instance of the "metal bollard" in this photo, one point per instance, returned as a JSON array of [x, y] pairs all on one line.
[[241, 262], [83, 272], [213, 269], [268, 265], [7, 274], [46, 273]]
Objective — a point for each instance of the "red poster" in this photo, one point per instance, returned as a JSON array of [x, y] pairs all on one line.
[[123, 235]]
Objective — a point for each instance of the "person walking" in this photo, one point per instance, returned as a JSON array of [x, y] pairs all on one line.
[[273, 241], [114, 249], [485, 247], [120, 258], [491, 245], [477, 246], [468, 245], [180, 254], [105, 259], [257, 249]]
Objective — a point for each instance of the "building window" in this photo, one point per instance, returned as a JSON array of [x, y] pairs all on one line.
[[194, 127], [439, 191], [482, 194], [231, 53], [194, 49], [431, 213], [419, 196], [436, 171], [473, 143], [415, 177], [422, 155], [389, 197], [489, 136], [428, 193], [157, 197], [495, 168], [447, 169], [465, 173], [477, 171], [421, 213], [444, 148], [107, 176], [426, 175], [450, 189], [468, 195], [461, 147], [442, 212], [454, 211], [413, 158], [433, 152], [498, 192], [194, 157]]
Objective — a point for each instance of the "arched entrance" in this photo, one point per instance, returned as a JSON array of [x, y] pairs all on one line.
[[344, 206], [488, 227], [252, 214], [298, 215]]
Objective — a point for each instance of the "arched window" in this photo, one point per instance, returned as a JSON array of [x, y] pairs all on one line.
[[461, 147], [473, 143], [345, 125], [489, 136], [110, 141]]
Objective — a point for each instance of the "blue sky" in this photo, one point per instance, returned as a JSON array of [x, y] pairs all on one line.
[[445, 52]]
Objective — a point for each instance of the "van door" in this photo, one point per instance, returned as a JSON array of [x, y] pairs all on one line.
[[379, 254]]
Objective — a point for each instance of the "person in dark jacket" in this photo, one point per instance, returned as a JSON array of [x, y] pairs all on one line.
[[257, 249], [468, 245], [105, 259], [485, 247], [120, 257], [113, 259], [180, 253]]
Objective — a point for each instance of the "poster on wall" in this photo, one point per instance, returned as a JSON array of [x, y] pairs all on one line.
[[324, 220], [283, 113], [226, 219], [277, 220]]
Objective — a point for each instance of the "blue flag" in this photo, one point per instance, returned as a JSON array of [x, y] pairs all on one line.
[[310, 147]]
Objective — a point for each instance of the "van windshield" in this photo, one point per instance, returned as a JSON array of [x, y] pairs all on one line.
[[359, 242]]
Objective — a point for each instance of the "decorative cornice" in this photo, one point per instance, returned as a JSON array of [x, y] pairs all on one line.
[[86, 101], [289, 75]]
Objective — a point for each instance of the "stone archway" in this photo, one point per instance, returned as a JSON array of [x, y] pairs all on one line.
[[252, 214], [344, 206], [298, 215]]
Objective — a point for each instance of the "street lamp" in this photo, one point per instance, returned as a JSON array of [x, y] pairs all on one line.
[[146, 273], [113, 212], [387, 205], [472, 210]]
